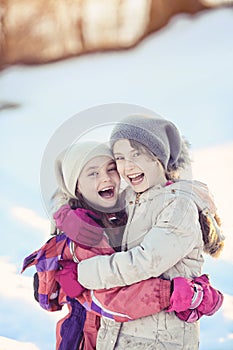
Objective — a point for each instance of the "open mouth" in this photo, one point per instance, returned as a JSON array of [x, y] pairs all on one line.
[[107, 192], [136, 179]]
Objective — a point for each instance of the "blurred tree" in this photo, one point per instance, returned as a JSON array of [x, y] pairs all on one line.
[[40, 31]]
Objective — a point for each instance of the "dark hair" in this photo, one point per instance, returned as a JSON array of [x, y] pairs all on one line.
[[80, 202], [114, 224], [140, 147]]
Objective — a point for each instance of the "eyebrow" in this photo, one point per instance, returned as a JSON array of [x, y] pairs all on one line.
[[97, 167], [133, 150], [111, 162], [91, 168]]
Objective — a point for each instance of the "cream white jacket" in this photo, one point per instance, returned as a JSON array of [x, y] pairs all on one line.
[[162, 238]]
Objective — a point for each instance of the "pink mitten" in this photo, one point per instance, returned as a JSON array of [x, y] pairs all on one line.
[[211, 302], [68, 279], [182, 295], [79, 225]]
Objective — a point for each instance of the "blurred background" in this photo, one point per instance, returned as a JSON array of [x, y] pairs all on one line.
[[174, 61]]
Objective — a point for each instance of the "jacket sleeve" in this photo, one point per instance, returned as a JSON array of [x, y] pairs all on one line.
[[122, 304], [174, 235], [46, 262]]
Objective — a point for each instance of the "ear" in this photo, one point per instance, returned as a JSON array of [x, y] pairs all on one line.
[[160, 165], [78, 189]]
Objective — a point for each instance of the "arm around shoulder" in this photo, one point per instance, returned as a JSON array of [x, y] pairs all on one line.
[[175, 233]]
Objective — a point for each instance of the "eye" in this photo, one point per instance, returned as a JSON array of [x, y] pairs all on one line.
[[112, 169], [94, 173], [136, 154], [117, 158]]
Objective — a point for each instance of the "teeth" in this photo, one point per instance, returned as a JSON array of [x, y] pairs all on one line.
[[133, 176], [107, 188]]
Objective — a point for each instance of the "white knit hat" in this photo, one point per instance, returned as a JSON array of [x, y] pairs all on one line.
[[71, 161]]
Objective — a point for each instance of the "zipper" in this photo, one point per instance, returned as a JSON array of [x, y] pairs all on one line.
[[137, 198], [72, 250], [138, 195]]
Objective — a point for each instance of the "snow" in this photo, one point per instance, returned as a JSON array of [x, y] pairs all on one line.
[[183, 72]]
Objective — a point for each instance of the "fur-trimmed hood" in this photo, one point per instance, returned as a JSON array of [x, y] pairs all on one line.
[[209, 220]]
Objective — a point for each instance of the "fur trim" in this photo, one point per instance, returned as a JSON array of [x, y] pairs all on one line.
[[211, 233], [182, 162]]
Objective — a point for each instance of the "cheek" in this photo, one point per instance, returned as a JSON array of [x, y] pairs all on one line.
[[120, 168], [87, 188], [91, 194], [116, 178], [117, 182], [153, 171], [143, 164]]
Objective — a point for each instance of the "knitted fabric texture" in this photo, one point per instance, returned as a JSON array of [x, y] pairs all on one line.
[[158, 135], [71, 161]]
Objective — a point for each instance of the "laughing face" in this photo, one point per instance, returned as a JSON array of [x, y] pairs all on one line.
[[99, 182], [137, 168]]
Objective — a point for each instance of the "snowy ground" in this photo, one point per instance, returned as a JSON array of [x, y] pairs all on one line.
[[184, 73]]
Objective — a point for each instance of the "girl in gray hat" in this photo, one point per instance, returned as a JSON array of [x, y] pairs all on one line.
[[163, 236]]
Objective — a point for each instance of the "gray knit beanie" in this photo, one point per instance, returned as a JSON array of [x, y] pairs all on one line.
[[158, 135], [71, 161]]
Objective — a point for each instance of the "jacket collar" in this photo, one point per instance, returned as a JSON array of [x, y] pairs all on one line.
[[195, 190]]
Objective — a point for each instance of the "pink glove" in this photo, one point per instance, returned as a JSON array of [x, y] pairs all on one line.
[[68, 279], [183, 294], [212, 301], [79, 225]]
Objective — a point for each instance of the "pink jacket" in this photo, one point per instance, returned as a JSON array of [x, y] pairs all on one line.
[[121, 304]]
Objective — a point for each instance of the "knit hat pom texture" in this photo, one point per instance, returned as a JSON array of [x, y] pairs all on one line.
[[158, 135]]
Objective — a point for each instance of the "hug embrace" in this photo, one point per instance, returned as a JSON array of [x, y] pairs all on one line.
[[129, 235]]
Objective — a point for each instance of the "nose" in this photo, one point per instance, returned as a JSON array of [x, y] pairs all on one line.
[[105, 176], [129, 165]]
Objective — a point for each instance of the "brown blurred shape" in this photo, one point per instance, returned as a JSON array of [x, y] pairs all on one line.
[[41, 31]]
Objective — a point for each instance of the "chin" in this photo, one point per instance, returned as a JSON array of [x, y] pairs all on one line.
[[140, 188], [108, 205]]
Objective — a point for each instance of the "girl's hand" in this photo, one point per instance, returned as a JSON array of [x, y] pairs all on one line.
[[211, 302], [68, 279]]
